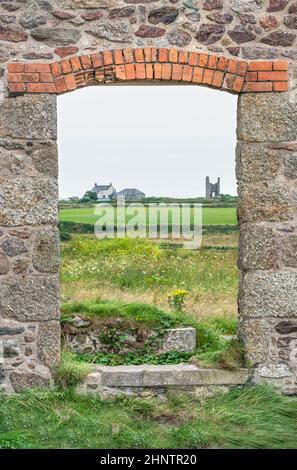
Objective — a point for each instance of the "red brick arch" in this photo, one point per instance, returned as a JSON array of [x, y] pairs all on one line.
[[148, 64]]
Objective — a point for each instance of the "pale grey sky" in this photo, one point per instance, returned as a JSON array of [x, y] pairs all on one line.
[[162, 140]]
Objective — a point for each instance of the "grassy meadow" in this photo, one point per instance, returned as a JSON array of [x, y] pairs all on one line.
[[147, 271], [143, 271]]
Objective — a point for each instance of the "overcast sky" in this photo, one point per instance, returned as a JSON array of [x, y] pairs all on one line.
[[162, 140]]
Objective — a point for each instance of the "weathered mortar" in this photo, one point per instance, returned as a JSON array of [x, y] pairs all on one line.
[[48, 31]]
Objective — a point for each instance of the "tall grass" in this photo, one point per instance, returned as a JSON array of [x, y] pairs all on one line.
[[248, 418], [132, 265]]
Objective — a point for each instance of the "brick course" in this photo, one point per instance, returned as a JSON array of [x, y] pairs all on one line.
[[232, 75]]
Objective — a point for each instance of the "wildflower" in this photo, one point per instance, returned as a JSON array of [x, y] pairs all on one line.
[[176, 299]]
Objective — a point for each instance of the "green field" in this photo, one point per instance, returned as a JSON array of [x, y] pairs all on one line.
[[210, 216]]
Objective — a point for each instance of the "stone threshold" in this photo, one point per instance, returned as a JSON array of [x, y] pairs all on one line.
[[160, 379]]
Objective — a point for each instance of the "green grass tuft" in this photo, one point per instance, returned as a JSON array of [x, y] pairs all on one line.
[[227, 355], [70, 372]]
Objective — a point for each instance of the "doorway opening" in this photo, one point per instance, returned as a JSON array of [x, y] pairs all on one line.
[[148, 145]]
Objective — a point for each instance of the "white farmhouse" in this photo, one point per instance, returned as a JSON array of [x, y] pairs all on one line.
[[104, 192]]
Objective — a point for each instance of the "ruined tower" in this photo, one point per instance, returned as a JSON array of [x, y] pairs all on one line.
[[212, 189]]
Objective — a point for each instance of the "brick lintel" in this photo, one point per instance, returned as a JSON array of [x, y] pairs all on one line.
[[120, 65]]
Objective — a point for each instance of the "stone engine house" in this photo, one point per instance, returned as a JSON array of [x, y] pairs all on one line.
[[212, 189], [244, 47]]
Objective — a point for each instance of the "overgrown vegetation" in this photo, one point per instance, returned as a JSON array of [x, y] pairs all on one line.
[[145, 266], [249, 418], [145, 271], [134, 358], [117, 319]]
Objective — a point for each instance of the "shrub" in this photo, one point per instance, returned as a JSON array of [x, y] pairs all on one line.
[[64, 236]]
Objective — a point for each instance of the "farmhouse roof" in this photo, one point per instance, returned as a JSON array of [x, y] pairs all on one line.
[[128, 191], [98, 187]]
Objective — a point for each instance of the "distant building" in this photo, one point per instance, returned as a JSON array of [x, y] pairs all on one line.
[[212, 189], [131, 194], [104, 191]]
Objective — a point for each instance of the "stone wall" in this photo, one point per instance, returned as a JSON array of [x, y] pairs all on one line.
[[266, 172], [84, 336], [35, 35], [29, 242], [49, 29]]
